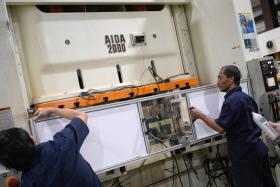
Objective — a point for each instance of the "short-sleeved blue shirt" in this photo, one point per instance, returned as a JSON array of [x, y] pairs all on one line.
[[243, 134], [59, 162]]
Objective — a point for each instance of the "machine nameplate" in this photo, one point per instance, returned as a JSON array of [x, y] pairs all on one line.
[[115, 43]]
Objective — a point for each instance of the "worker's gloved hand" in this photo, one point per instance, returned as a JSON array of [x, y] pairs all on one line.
[[41, 113], [195, 113]]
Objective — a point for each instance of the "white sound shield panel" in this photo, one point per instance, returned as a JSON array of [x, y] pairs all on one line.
[[115, 137]]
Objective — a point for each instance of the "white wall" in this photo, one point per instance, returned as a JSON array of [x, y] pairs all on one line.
[[216, 36], [11, 94]]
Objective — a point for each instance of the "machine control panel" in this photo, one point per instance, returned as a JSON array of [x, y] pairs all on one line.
[[138, 39], [269, 73], [263, 78]]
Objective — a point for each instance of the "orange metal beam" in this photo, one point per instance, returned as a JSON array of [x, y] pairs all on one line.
[[119, 95]]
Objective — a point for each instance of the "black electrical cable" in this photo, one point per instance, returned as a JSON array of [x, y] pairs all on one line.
[[132, 173], [91, 93], [173, 158], [176, 75], [88, 98], [275, 111], [155, 74], [116, 182], [277, 107], [173, 169], [178, 171], [151, 71], [94, 91], [189, 169], [271, 102], [277, 104], [164, 179], [137, 92], [158, 139], [217, 151], [189, 176], [214, 174]]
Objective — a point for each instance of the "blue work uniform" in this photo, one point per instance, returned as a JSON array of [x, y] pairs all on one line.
[[59, 163], [248, 153]]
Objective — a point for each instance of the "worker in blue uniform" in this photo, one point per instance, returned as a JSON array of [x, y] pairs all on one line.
[[56, 163], [248, 153]]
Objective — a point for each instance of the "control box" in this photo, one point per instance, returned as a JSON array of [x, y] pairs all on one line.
[[269, 74], [263, 79]]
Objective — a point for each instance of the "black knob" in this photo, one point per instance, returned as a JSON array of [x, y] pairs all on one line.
[[269, 44]]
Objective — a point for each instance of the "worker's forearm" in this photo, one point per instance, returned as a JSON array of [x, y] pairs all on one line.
[[211, 123], [68, 113]]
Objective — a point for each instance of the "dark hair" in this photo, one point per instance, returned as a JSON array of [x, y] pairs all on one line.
[[17, 149], [232, 71]]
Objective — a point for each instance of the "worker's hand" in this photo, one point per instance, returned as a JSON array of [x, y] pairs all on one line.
[[276, 126], [41, 113], [196, 114]]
